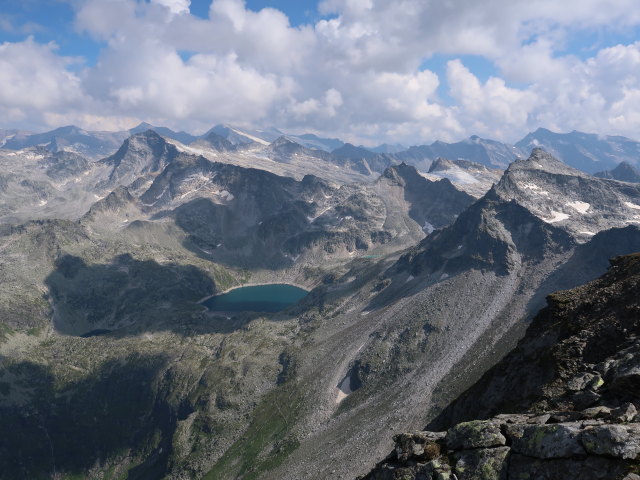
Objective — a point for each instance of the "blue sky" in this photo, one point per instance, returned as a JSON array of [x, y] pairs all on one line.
[[365, 70]]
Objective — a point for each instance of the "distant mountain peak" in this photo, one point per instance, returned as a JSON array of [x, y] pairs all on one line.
[[348, 150], [282, 141], [624, 172]]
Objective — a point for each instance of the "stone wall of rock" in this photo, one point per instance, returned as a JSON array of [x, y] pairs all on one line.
[[595, 444]]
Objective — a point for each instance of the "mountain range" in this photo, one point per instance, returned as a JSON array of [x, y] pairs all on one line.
[[587, 152], [424, 269]]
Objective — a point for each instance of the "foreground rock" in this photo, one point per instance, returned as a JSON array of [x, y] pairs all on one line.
[[517, 447]]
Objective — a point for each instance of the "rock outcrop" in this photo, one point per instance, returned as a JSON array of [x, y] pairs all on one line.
[[556, 445]]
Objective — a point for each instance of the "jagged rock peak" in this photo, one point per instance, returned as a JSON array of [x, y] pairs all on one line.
[[147, 140]]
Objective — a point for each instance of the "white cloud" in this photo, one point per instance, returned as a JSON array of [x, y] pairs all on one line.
[[492, 108], [34, 79], [175, 6], [358, 74]]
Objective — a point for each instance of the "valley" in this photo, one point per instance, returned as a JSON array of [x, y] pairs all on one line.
[[405, 282]]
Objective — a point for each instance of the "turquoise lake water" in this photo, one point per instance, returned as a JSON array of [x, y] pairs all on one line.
[[258, 298]]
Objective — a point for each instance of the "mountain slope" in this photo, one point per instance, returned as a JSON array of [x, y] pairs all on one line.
[[428, 325], [572, 337], [572, 415]]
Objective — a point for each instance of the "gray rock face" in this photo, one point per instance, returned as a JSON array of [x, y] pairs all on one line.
[[482, 464], [418, 445], [522, 467], [620, 441], [475, 434], [546, 441], [622, 373]]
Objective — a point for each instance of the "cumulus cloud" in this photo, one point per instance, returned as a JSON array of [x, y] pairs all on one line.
[[175, 6], [35, 79], [362, 72]]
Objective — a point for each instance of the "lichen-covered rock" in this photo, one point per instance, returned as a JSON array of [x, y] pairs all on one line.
[[546, 441], [482, 464], [621, 441], [595, 412], [513, 418], [522, 467], [423, 445], [624, 414], [475, 434], [434, 470], [623, 373], [584, 381]]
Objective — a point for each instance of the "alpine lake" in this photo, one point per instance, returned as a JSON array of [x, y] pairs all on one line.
[[257, 298]]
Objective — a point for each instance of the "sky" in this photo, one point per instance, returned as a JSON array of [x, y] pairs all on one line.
[[366, 71]]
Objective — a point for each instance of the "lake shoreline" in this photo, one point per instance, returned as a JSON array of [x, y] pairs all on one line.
[[260, 284]]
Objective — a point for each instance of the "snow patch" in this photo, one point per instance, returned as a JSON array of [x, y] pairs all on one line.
[[255, 139], [43, 203], [632, 205], [427, 227], [556, 217], [456, 175], [584, 232], [162, 194], [226, 195], [534, 188], [579, 206], [344, 389]]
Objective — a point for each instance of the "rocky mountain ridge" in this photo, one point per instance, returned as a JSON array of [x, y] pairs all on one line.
[[587, 152], [572, 415]]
